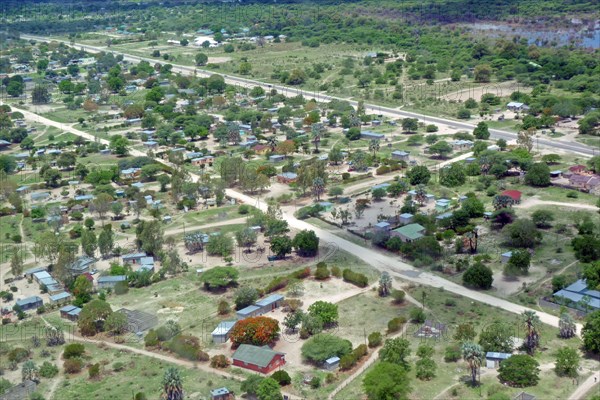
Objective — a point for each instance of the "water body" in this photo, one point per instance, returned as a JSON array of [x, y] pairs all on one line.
[[583, 37]]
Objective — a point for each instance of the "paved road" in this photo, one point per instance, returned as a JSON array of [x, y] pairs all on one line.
[[379, 260], [291, 91]]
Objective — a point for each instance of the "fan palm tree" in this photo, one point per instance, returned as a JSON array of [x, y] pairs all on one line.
[[473, 355], [566, 326], [532, 323], [172, 387], [272, 142], [374, 146]]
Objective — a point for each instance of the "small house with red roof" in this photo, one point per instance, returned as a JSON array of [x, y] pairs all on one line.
[[513, 194], [259, 359], [261, 149]]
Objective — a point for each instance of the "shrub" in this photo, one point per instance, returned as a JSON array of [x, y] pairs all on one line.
[[244, 209], [151, 339], [73, 350], [360, 351], [323, 346], [315, 382], [417, 315], [375, 339], [345, 176], [140, 396], [121, 288], [398, 296], [188, 347], [72, 366], [18, 354], [48, 370], [219, 361], [94, 370], [347, 362], [282, 377], [330, 378], [355, 278], [452, 353], [301, 273], [395, 324], [224, 307], [277, 283], [118, 366], [336, 271], [322, 272]]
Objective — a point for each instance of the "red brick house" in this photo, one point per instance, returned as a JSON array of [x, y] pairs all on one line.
[[578, 169], [259, 359], [513, 194]]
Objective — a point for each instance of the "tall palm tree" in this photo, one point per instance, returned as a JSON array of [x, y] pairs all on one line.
[[316, 131], [532, 323], [473, 354], [272, 142], [172, 387], [374, 146]]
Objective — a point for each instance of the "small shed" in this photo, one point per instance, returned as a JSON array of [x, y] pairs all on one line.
[[70, 312], [221, 332], [327, 205], [493, 359], [400, 155], [409, 233], [29, 273], [506, 256], [555, 174], [331, 363], [133, 258], [221, 394], [524, 396], [287, 177], [250, 311], [275, 158], [406, 218], [383, 226], [269, 303]]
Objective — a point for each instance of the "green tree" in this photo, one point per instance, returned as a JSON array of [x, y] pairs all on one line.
[[323, 346], [566, 326], [418, 175], [116, 323], [591, 333], [497, 337], [281, 245], [453, 175], [538, 175], [410, 124], [542, 218], [522, 233], [244, 297], [150, 236], [387, 381], [396, 351], [92, 313], [221, 245], [567, 362], [268, 389], [89, 243], [16, 262], [465, 333], [250, 385], [441, 149], [532, 327], [219, 277], [385, 284], [306, 243], [519, 370], [119, 145], [482, 73], [518, 263], [481, 132], [30, 372], [327, 312], [478, 276]]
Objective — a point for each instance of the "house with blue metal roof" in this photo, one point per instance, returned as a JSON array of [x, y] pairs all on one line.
[[221, 333], [30, 303], [370, 135], [579, 296], [60, 298], [493, 359], [250, 311], [110, 281], [82, 265]]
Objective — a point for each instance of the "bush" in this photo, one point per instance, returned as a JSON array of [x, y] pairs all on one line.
[[336, 271], [301, 273], [72, 366], [345, 176], [323, 346], [322, 272], [18, 354], [224, 307], [417, 315], [282, 377], [395, 324], [48, 370], [244, 209], [151, 339], [315, 382], [398, 296], [375, 339], [219, 361], [94, 370], [347, 362], [355, 278], [118, 366], [277, 283], [121, 288], [73, 350], [452, 353], [188, 347]]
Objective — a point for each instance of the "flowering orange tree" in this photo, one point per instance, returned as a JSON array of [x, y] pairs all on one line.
[[258, 331]]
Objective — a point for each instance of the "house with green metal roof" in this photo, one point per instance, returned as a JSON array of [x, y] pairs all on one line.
[[409, 233], [259, 359]]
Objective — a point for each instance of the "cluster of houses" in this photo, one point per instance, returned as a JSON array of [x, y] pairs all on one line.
[[256, 358], [577, 177]]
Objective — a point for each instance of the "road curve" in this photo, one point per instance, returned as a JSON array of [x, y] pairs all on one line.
[[291, 91]]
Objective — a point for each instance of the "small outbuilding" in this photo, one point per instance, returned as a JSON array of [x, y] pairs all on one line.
[[106, 282], [60, 298], [331, 363], [70, 312], [493, 359], [269, 303], [221, 394], [221, 332], [506, 256], [30, 303], [250, 311]]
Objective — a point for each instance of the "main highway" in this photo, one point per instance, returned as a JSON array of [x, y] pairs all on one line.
[[572, 147]]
